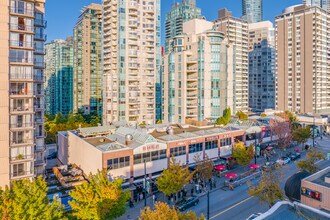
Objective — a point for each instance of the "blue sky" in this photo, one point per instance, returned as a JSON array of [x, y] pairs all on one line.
[[61, 19]]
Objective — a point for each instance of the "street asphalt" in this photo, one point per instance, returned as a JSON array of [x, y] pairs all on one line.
[[237, 205]]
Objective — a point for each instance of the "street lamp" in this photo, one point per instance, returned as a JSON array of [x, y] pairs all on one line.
[[313, 131], [145, 183], [255, 147], [208, 205]]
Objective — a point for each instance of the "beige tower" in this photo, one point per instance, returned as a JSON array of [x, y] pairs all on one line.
[[197, 77], [303, 68], [22, 53], [131, 60], [236, 30]]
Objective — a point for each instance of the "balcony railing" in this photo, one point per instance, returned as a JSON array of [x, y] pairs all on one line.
[[21, 157], [20, 60], [39, 92], [39, 64], [22, 11], [38, 120], [21, 125], [20, 92], [21, 108], [38, 77], [42, 37], [39, 148], [20, 75], [21, 174], [21, 141], [40, 23], [15, 43], [21, 27]]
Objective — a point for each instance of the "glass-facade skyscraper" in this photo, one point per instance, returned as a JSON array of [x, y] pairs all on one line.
[[252, 10], [59, 77], [325, 4], [175, 18]]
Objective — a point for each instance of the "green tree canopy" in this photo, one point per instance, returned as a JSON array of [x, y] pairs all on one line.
[[309, 164], [242, 116], [100, 199], [268, 190], [173, 179], [301, 135], [28, 200], [242, 154], [164, 212], [224, 120], [204, 167]]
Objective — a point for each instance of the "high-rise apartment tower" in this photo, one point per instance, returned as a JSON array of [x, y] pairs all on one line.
[[325, 4], [198, 80], [88, 77], [22, 66], [262, 80], [303, 61], [236, 30], [132, 55]]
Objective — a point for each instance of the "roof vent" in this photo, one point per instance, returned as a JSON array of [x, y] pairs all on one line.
[[128, 139], [102, 140], [169, 131]]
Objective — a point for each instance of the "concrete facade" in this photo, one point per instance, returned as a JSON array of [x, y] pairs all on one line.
[[236, 30], [22, 53], [303, 60], [88, 75], [132, 60], [198, 76]]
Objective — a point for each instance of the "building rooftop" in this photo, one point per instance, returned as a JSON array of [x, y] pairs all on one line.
[[293, 211], [320, 178], [99, 130]]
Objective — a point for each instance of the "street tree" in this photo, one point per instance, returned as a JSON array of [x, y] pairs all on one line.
[[224, 120], [99, 199], [301, 135], [283, 131], [174, 178], [242, 154], [268, 190], [27, 199], [242, 116], [309, 164], [163, 211], [204, 167]]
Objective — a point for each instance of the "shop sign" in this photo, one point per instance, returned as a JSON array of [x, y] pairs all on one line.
[[150, 147], [311, 193]]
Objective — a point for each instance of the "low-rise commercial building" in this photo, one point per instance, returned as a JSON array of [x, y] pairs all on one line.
[[315, 190]]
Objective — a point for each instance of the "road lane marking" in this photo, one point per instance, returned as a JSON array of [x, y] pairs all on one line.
[[231, 207]]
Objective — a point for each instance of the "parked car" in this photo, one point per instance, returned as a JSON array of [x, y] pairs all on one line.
[[269, 165], [294, 156], [253, 216], [283, 160], [187, 203]]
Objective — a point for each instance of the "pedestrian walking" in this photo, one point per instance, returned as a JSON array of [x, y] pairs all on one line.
[[141, 196]]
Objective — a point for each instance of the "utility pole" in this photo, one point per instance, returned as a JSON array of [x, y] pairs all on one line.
[[255, 148], [145, 183], [208, 205], [313, 131]]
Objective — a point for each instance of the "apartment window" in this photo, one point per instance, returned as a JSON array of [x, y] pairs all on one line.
[[18, 169]]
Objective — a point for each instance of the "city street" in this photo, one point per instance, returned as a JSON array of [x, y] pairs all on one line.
[[237, 204]]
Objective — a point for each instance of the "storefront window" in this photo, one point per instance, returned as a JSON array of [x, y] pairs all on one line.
[[195, 147], [225, 142], [211, 145], [178, 151]]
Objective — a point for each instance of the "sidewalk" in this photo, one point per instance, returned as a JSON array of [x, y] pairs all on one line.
[[134, 212]]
